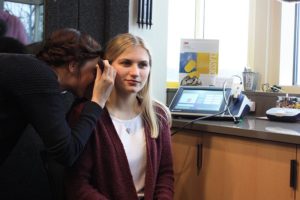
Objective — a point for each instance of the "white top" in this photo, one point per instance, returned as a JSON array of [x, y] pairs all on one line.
[[132, 136]]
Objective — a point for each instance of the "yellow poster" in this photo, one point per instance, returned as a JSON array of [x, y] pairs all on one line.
[[197, 58]]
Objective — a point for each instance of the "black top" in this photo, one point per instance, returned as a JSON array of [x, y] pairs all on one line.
[[30, 94]]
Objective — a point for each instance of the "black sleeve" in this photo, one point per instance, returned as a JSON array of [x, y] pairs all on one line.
[[46, 113], [34, 87]]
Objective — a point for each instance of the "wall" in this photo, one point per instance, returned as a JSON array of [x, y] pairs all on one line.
[[156, 38], [102, 19]]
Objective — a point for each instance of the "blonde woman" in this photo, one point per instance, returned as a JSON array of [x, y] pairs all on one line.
[[129, 156]]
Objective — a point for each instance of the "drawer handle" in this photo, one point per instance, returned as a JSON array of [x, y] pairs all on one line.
[[293, 174], [199, 158]]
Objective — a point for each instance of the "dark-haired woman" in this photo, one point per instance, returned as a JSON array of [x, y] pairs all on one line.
[[31, 87]]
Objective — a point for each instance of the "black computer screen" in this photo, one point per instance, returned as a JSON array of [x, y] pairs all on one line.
[[199, 100]]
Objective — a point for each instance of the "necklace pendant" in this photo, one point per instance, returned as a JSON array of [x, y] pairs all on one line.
[[128, 130]]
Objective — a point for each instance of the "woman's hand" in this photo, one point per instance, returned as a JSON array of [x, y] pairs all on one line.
[[104, 83]]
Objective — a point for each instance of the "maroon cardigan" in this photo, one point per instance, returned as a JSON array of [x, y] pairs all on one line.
[[102, 171]]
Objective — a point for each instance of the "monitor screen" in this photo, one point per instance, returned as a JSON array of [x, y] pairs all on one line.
[[199, 100]]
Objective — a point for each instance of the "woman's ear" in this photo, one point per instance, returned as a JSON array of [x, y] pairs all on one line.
[[73, 67]]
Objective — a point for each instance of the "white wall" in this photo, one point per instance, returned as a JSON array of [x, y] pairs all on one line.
[[156, 39]]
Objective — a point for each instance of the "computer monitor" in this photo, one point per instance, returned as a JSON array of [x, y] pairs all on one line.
[[199, 101]]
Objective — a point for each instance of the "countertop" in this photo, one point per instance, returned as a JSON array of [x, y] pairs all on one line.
[[250, 127]]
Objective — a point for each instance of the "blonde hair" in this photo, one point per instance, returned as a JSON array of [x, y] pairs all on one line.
[[150, 114]]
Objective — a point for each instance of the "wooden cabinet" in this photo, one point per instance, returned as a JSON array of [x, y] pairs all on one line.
[[237, 168], [232, 168], [298, 174], [186, 154]]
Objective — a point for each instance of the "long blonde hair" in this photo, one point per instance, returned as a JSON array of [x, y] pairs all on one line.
[[114, 49]]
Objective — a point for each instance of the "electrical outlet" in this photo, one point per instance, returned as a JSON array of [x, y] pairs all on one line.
[[252, 106]]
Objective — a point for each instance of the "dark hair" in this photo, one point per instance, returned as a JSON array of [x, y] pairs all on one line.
[[11, 45], [67, 45], [3, 28]]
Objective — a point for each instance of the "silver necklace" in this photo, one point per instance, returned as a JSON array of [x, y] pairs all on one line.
[[128, 130], [128, 126]]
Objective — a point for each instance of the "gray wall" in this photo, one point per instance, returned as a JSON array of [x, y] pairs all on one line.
[[102, 19]]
